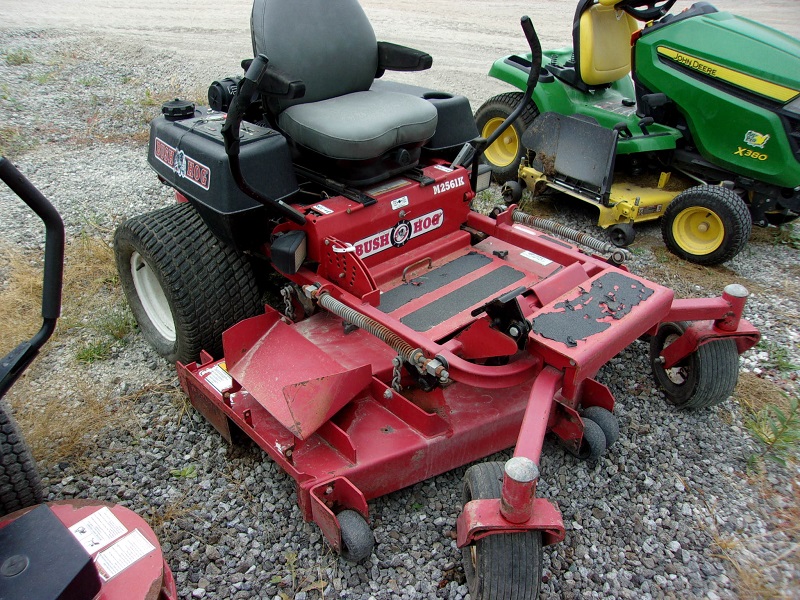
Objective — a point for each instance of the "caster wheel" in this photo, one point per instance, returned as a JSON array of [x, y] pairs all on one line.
[[503, 565], [512, 192], [703, 379], [593, 445], [357, 538], [607, 422], [622, 235]]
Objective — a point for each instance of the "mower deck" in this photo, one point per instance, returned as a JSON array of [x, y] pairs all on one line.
[[320, 395]]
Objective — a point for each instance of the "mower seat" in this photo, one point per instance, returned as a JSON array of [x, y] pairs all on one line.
[[340, 122], [601, 38], [603, 44]]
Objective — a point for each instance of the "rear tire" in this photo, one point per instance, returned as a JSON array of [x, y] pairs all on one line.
[[505, 154], [183, 285], [703, 379], [706, 225], [502, 566], [20, 485]]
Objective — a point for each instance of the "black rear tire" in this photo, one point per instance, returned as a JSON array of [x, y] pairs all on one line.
[[20, 485], [503, 566], [184, 286], [505, 154], [703, 379], [706, 225]]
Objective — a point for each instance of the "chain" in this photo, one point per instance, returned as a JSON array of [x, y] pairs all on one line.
[[286, 292], [397, 362]]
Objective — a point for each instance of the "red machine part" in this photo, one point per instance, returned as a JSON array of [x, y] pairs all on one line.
[[318, 395], [128, 557]]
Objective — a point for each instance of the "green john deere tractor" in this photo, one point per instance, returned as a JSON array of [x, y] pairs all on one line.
[[693, 118]]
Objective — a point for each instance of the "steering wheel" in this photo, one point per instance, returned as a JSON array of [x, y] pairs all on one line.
[[642, 10]]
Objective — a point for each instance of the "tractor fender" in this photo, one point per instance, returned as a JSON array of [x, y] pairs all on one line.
[[549, 96]]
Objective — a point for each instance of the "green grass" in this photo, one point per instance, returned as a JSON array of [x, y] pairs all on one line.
[[778, 429], [19, 57], [778, 357], [95, 351]]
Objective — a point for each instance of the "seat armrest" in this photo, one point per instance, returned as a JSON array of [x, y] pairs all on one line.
[[393, 57], [278, 84]]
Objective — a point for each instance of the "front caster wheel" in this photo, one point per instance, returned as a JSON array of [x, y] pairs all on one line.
[[606, 420], [503, 565], [512, 192], [704, 378], [357, 538], [622, 235], [594, 444]]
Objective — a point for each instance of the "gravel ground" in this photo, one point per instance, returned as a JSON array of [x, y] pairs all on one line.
[[670, 511]]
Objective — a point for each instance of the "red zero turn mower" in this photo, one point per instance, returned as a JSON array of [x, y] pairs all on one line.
[[416, 334], [75, 549]]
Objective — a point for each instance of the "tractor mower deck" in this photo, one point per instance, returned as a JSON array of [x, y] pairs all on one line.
[[518, 322]]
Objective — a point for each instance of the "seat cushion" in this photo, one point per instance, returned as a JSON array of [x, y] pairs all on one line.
[[360, 126]]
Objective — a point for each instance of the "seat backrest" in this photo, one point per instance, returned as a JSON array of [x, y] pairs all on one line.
[[602, 42], [329, 44]]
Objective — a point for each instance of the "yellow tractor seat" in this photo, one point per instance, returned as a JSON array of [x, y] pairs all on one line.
[[603, 44]]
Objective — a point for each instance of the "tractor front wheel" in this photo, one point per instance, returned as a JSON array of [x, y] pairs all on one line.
[[505, 154], [706, 225], [703, 379], [502, 565], [183, 285]]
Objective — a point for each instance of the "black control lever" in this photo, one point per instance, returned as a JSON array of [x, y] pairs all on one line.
[[481, 144], [230, 135]]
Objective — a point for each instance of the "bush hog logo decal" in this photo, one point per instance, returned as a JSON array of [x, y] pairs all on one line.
[[398, 235], [184, 166]]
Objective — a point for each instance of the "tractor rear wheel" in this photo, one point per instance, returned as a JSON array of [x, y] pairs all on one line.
[[706, 225], [20, 485], [703, 379], [503, 565], [183, 285], [505, 154]]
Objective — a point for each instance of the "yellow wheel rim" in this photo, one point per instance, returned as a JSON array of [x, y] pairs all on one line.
[[698, 231], [506, 149]]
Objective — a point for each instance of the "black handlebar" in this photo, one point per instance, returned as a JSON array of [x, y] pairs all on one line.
[[13, 364], [479, 145], [230, 135]]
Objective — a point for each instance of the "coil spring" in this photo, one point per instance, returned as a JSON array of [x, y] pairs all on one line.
[[362, 321], [618, 254]]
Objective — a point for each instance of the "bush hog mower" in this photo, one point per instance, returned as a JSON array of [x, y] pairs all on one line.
[[416, 335], [708, 117], [76, 549]]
